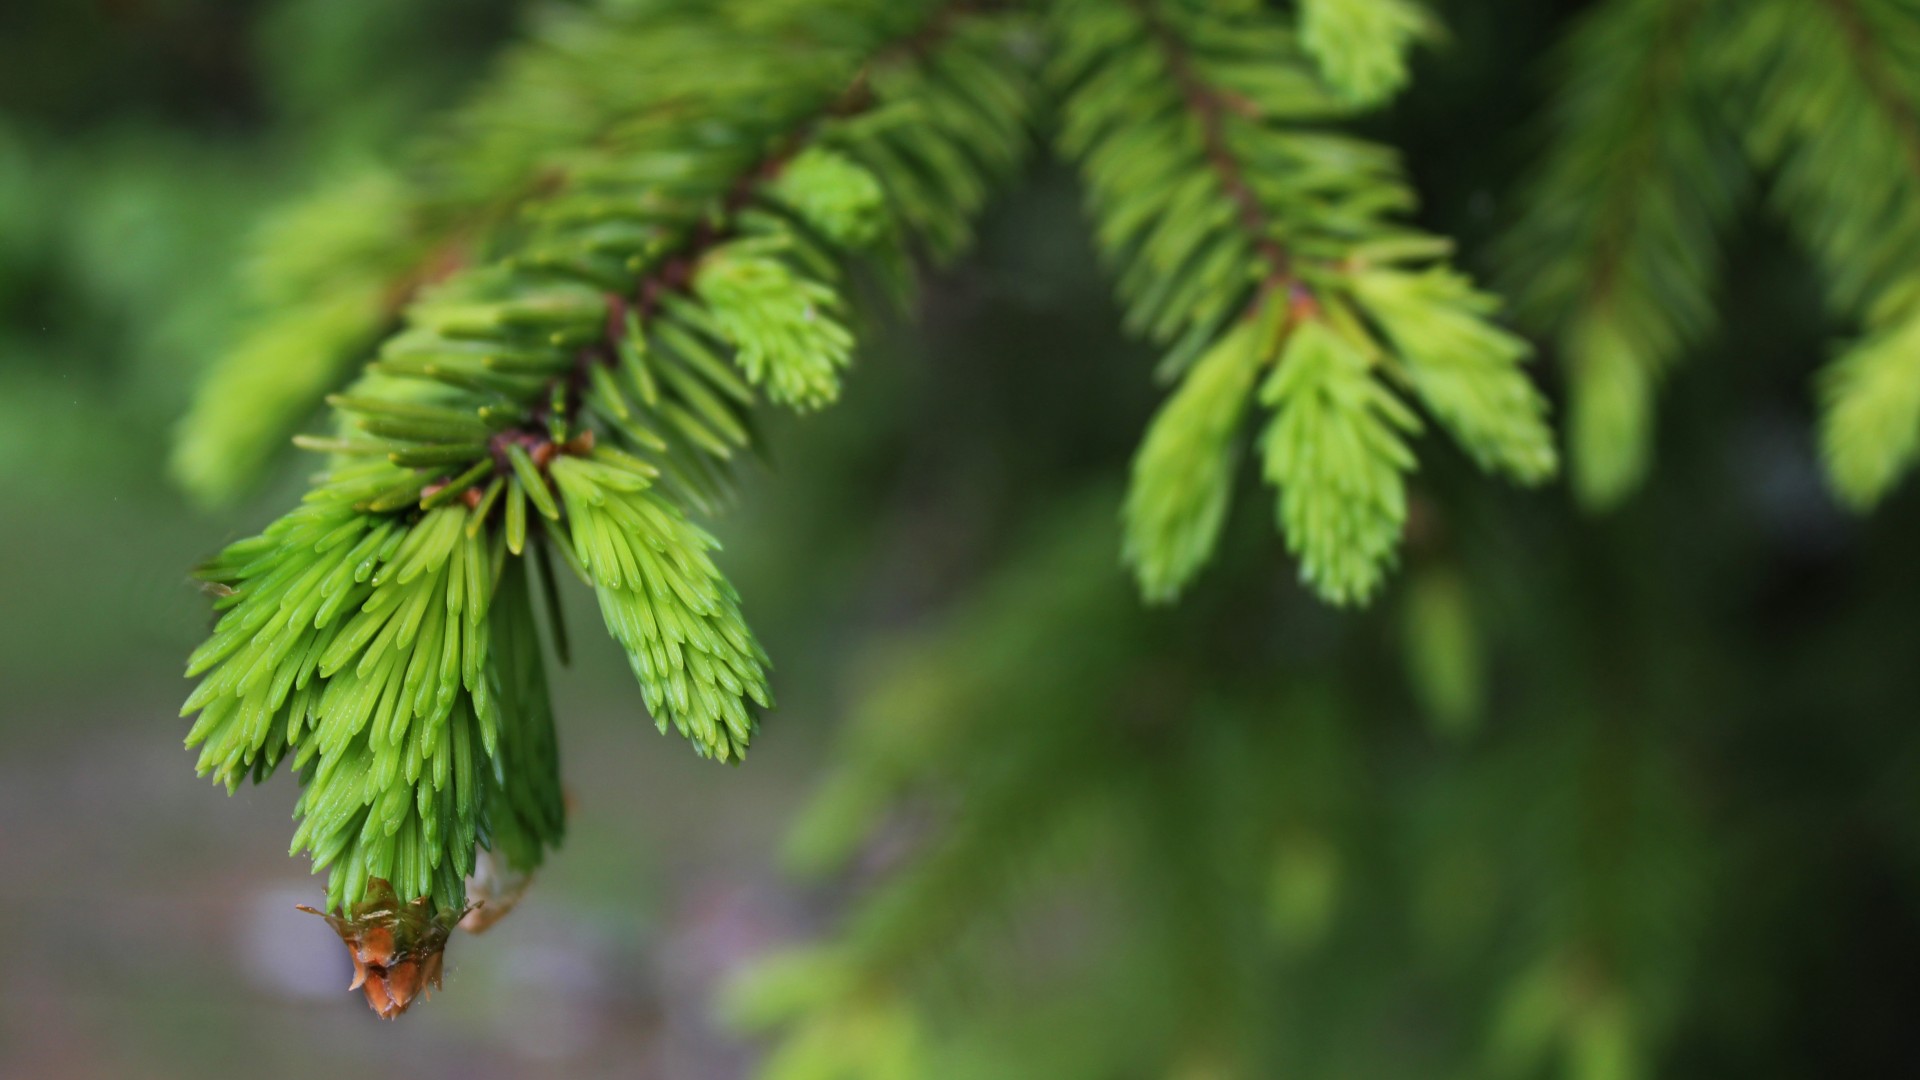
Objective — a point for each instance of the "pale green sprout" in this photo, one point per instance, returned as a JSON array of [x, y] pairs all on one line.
[[1362, 45], [1336, 450], [1183, 476], [784, 326]]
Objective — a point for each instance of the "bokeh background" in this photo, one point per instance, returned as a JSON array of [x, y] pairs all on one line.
[[1735, 635]]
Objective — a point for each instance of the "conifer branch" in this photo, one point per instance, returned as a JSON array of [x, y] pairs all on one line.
[[581, 392], [1834, 114], [1209, 108], [1616, 254], [325, 293], [1221, 203], [1876, 77]]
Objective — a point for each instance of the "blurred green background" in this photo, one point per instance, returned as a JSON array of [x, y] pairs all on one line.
[[1658, 766]]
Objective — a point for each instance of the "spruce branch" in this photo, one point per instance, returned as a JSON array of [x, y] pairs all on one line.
[[580, 392], [334, 271], [1220, 203], [1616, 254], [1834, 115]]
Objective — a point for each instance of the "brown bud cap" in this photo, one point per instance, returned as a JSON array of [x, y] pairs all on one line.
[[396, 948]]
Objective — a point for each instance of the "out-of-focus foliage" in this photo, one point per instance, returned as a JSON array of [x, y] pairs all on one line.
[[1619, 250], [1618, 253], [1833, 117], [1230, 825], [129, 175], [329, 272]]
